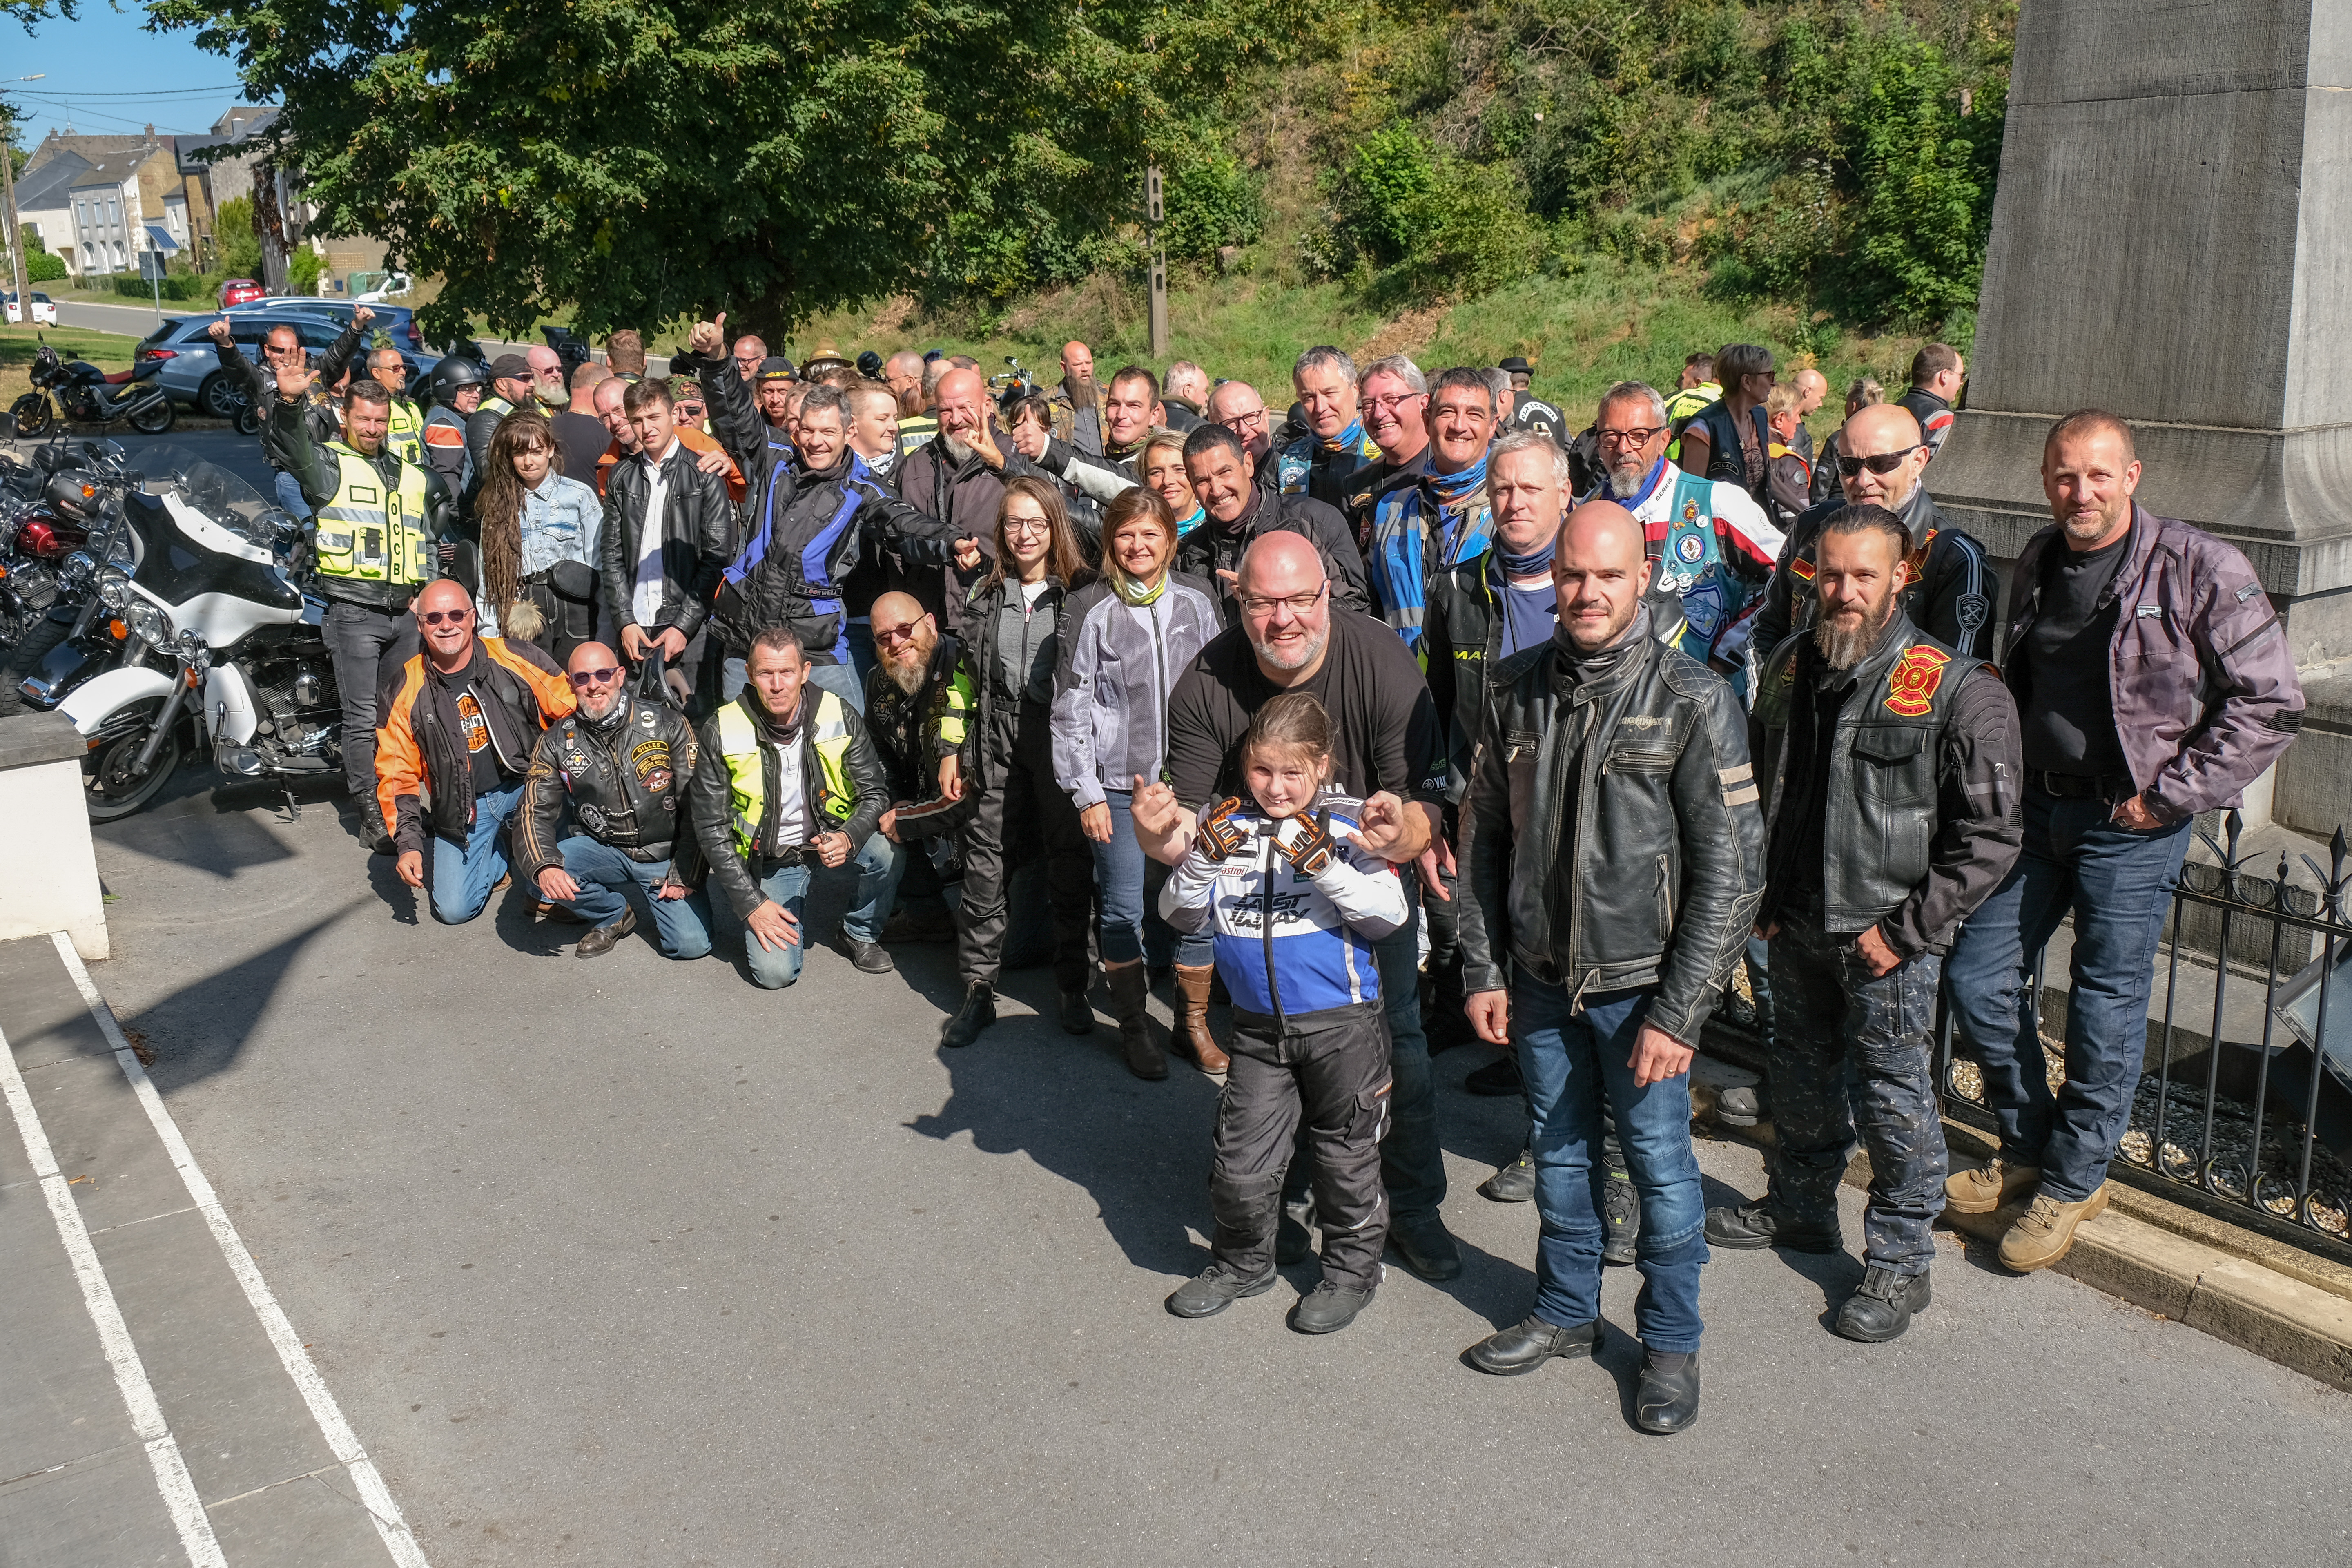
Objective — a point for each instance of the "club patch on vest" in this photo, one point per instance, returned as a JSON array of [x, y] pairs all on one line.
[[1690, 510], [1802, 569], [1912, 683], [1690, 547]]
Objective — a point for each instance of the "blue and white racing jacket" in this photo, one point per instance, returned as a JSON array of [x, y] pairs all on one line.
[[1288, 946]]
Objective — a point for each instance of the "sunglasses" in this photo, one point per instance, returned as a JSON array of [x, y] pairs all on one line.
[[1877, 462], [445, 617], [892, 634], [587, 677]]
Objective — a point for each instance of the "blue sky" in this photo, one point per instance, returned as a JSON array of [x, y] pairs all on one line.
[[108, 52]]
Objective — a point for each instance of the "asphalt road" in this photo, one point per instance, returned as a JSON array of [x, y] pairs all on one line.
[[628, 1262]]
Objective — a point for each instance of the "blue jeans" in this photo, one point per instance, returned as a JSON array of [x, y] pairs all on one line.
[[787, 885], [1569, 1061], [1130, 882], [2118, 883], [290, 493], [605, 875], [463, 875], [861, 647], [837, 678], [880, 865]]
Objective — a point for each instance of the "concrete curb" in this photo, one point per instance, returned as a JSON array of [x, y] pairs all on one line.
[[2299, 1315]]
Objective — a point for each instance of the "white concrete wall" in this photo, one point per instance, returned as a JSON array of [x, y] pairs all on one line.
[[48, 873]]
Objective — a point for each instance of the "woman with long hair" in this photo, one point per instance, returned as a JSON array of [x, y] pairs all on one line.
[[999, 720], [539, 533], [1126, 640], [1161, 465]]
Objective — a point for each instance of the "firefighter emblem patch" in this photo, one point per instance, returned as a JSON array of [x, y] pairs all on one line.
[[1912, 683]]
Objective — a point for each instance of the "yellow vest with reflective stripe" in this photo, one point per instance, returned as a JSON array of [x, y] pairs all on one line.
[[746, 783], [368, 533], [403, 432]]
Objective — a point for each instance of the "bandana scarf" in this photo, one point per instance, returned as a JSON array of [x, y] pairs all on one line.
[[1131, 592], [1528, 618], [1454, 507], [1351, 439]]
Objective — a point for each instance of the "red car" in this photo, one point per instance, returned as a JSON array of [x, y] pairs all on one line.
[[237, 291]]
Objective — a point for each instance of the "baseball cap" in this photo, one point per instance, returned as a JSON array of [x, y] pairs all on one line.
[[512, 367]]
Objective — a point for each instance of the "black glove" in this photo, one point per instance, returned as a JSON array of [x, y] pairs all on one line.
[[1308, 844], [1220, 834]]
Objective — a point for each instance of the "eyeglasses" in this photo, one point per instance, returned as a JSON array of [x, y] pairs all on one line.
[[1877, 462], [1298, 603], [895, 634], [1254, 420], [583, 679], [1630, 438], [1390, 404], [1026, 525], [445, 617]]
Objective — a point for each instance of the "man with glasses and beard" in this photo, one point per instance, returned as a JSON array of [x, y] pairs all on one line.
[[622, 767], [1711, 545], [1895, 814], [906, 694]]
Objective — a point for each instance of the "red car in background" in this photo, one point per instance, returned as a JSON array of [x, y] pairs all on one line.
[[237, 291]]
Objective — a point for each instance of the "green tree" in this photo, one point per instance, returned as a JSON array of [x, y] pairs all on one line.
[[237, 244], [629, 164]]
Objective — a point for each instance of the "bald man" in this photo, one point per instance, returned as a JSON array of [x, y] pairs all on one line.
[[546, 387], [1078, 402], [617, 769], [1950, 589], [1623, 914], [459, 724], [959, 477], [906, 692]]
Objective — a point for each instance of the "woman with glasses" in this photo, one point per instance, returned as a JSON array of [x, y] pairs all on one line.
[[539, 535], [999, 720], [1125, 640]]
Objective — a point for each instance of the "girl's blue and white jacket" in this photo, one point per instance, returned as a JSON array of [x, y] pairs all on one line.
[[1289, 947]]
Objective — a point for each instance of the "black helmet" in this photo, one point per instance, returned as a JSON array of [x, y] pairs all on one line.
[[454, 372]]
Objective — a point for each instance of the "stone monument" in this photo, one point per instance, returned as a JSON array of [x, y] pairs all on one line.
[[2172, 240]]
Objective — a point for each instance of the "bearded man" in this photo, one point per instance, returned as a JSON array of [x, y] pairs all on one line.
[[906, 693]]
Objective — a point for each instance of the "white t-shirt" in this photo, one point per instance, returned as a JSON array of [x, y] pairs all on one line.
[[792, 798], [645, 598]]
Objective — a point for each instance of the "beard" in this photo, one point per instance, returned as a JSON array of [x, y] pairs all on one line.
[[1309, 651], [1845, 638], [1625, 479], [958, 450], [908, 672]]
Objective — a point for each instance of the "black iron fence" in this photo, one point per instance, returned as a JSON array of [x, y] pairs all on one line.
[[2244, 1105]]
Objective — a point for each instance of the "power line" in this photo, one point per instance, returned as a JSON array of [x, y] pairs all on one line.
[[157, 93]]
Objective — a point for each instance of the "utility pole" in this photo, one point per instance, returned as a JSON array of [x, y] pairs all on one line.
[[18, 279], [1152, 213]]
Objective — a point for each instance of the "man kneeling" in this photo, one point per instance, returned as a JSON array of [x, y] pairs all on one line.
[[788, 779], [623, 767]]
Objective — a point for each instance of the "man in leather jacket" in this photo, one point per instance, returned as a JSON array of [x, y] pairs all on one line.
[[622, 765], [1893, 774], [659, 566], [1240, 510], [1615, 844]]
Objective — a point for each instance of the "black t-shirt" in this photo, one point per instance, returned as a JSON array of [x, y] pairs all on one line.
[[2070, 716], [1385, 733], [581, 440], [1812, 735], [476, 728]]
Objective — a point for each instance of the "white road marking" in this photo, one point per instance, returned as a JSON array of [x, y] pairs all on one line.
[[172, 1478], [341, 1440]]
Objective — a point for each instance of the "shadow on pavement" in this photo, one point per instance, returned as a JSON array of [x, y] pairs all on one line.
[[208, 1021]]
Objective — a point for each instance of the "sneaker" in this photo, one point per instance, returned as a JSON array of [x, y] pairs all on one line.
[[1621, 1212], [1882, 1308], [2044, 1233], [1214, 1289], [1495, 1080], [1512, 1183], [1760, 1224], [869, 957], [1328, 1308], [1990, 1187]]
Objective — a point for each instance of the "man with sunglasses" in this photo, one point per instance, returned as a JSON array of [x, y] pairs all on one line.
[[462, 721], [1710, 546], [621, 766], [281, 351], [905, 697], [1948, 585]]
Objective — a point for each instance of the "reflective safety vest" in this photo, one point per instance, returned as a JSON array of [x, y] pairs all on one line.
[[403, 431], [494, 405], [371, 534], [1682, 408], [747, 779]]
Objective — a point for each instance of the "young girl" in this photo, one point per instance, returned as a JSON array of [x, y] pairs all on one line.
[[1295, 904]]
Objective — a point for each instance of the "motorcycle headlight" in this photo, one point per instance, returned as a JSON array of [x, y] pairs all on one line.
[[113, 588], [76, 570], [154, 627]]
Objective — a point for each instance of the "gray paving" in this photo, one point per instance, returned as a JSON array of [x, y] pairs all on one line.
[[630, 1263]]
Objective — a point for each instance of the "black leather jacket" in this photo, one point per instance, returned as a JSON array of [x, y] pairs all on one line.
[[1950, 596], [625, 784], [292, 441], [1211, 548], [697, 525], [710, 800], [1656, 880]]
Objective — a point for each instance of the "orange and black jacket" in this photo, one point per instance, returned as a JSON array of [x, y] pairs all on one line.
[[422, 764]]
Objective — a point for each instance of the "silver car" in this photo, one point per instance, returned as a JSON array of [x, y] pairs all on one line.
[[192, 371]]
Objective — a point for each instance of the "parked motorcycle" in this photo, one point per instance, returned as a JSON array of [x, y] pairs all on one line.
[[48, 509], [208, 641], [86, 395]]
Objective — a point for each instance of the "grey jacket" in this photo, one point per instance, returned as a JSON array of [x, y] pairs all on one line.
[[1116, 666], [1657, 879], [2204, 685]]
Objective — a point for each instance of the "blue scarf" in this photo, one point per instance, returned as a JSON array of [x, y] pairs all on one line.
[[1450, 506], [1351, 439], [1527, 617], [1200, 514]]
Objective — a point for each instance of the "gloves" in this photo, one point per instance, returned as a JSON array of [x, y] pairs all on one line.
[[1220, 834], [1308, 844]]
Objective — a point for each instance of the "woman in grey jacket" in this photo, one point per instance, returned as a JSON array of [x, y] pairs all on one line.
[[1127, 637]]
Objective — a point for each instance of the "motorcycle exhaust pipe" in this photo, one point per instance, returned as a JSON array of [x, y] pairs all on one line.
[[163, 723]]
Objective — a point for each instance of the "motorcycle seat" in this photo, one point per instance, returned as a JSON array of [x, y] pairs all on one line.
[[153, 367]]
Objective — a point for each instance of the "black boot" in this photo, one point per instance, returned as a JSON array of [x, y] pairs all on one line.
[[372, 828], [1514, 1182], [1882, 1308], [1744, 1106], [1759, 1225], [1293, 1241], [1130, 990], [978, 1012], [1077, 1013], [1666, 1399], [1528, 1344]]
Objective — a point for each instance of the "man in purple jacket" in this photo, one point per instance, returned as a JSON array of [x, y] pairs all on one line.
[[2153, 681]]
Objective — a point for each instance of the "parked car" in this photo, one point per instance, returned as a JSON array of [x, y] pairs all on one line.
[[45, 310], [237, 291], [192, 371], [397, 319]]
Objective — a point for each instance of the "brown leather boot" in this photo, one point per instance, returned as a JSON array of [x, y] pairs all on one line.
[[1130, 988], [1192, 1036]]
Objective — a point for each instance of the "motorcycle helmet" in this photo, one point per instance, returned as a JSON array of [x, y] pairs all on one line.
[[455, 372], [72, 494]]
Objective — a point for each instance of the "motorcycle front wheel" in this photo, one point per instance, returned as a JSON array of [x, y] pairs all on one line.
[[114, 791], [154, 417], [33, 414]]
